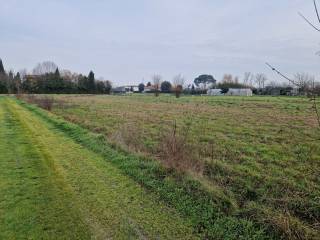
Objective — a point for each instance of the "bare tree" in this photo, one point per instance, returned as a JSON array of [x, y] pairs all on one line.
[[44, 67], [273, 84], [177, 86], [304, 82], [227, 78], [23, 72], [157, 79], [318, 17], [248, 79], [260, 80]]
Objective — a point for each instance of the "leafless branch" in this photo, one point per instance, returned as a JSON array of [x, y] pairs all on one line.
[[282, 75], [311, 24], [316, 9], [318, 16]]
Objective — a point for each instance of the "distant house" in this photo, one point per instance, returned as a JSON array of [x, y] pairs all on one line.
[[231, 92], [239, 92], [32, 78], [148, 89], [278, 90], [215, 92], [119, 90], [125, 89], [135, 89]]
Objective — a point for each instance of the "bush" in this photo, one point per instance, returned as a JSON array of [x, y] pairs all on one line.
[[176, 153], [44, 102]]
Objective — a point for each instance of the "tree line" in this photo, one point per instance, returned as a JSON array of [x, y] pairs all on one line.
[[47, 78], [258, 83]]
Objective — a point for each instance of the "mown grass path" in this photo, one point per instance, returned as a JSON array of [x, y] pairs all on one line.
[[53, 188]]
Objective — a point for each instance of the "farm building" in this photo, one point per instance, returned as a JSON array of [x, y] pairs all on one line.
[[231, 92], [148, 89], [125, 89], [239, 92], [119, 90], [278, 90], [215, 92]]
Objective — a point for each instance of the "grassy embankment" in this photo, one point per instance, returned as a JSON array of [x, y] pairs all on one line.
[[259, 157], [54, 188]]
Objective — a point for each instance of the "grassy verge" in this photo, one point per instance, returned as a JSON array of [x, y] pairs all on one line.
[[54, 188], [210, 213], [33, 201]]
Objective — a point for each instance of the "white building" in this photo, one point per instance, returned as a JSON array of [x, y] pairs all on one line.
[[239, 92], [231, 92], [126, 89]]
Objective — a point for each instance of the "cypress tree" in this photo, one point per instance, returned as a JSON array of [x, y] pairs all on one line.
[[3, 79], [1, 67], [57, 73], [10, 82], [17, 82], [91, 82]]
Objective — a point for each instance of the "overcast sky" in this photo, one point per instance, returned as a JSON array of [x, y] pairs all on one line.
[[127, 41]]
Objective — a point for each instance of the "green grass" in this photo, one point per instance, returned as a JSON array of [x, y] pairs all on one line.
[[54, 188], [260, 155], [206, 210]]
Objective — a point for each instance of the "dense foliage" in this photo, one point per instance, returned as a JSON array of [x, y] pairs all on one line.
[[204, 80], [141, 87], [166, 87], [51, 82]]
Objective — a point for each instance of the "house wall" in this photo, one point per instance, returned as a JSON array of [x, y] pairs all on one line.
[[232, 92], [214, 92], [239, 92]]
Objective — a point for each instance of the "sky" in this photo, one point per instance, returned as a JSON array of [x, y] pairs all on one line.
[[128, 41]]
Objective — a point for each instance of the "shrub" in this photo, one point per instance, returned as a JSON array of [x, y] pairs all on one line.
[[44, 102], [175, 151]]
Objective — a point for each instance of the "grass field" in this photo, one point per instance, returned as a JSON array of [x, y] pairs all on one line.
[[240, 168], [258, 157], [54, 188]]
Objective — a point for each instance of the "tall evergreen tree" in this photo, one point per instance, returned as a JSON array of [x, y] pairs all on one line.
[[10, 82], [57, 73], [59, 83], [3, 79], [91, 82], [17, 83], [2, 71]]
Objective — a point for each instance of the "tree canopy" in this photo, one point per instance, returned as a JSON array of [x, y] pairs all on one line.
[[166, 87], [141, 87], [204, 80]]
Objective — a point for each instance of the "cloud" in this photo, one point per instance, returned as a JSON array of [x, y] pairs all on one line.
[[126, 41]]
